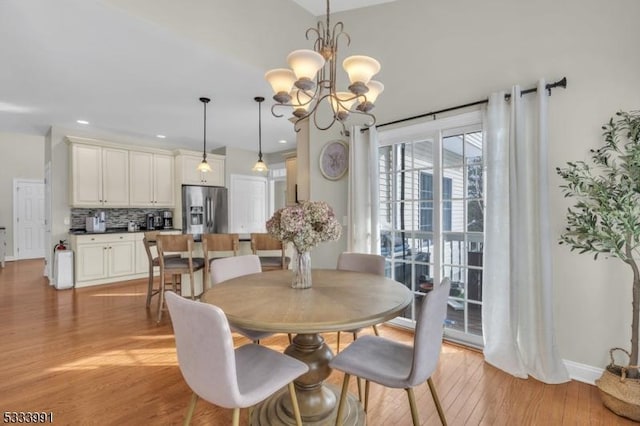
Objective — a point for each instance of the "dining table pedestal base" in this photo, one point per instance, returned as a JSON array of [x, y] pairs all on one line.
[[274, 412], [318, 402]]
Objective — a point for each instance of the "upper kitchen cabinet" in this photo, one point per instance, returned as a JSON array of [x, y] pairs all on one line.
[[152, 179], [187, 169], [99, 176]]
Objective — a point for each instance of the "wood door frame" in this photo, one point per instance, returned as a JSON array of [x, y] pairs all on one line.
[[16, 183]]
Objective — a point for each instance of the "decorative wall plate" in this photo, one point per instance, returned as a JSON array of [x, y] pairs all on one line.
[[334, 159]]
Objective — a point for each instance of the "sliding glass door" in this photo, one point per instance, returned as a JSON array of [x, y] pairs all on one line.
[[432, 216]]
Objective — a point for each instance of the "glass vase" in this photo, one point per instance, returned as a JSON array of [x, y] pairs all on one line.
[[301, 270]]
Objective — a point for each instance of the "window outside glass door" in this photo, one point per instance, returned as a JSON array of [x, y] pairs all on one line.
[[432, 220]]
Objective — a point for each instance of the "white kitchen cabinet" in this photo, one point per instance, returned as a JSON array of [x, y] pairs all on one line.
[[115, 177], [121, 258], [99, 176], [104, 258], [91, 262], [164, 182], [152, 179], [188, 174]]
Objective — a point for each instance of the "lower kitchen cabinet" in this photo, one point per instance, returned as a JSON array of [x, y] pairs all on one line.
[[107, 258], [104, 258]]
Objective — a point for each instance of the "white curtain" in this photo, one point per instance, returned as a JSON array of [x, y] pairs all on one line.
[[517, 311], [363, 199]]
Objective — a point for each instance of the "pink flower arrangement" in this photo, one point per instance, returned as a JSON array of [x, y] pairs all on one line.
[[306, 225]]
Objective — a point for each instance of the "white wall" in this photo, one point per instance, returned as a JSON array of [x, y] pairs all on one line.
[[325, 255], [240, 162], [441, 53], [22, 157]]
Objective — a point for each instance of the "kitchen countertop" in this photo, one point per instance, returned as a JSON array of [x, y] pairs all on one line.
[[115, 231]]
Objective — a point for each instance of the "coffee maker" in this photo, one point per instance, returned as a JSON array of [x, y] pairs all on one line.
[[167, 220], [151, 221], [96, 223]]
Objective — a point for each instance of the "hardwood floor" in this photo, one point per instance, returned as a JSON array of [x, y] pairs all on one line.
[[96, 356]]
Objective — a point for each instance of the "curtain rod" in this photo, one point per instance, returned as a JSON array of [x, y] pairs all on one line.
[[560, 83]]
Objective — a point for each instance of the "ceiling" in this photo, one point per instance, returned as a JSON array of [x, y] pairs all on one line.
[[98, 61], [319, 8]]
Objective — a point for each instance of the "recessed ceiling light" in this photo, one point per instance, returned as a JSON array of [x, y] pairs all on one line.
[[282, 141], [82, 122], [160, 136]]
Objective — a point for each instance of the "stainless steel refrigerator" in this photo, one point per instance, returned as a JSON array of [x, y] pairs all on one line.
[[204, 210]]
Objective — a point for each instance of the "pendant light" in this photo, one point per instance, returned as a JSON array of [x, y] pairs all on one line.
[[260, 165], [204, 166]]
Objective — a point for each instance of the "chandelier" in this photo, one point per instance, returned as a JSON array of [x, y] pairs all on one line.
[[312, 80]]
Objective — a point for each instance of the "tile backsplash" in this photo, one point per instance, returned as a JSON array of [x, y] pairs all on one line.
[[116, 218]]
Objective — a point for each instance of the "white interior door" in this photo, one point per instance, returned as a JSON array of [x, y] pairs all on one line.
[[247, 204], [47, 220], [28, 219]]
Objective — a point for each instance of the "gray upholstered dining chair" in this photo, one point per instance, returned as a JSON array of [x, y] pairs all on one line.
[[220, 374], [226, 268], [397, 365], [360, 262]]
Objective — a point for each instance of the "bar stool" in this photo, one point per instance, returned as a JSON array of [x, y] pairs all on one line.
[[265, 242], [149, 242], [216, 246], [176, 266]]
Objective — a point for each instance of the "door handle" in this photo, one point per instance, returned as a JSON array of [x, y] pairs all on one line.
[[210, 212], [205, 220]]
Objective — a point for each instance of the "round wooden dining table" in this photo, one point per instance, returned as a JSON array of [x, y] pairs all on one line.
[[337, 301]]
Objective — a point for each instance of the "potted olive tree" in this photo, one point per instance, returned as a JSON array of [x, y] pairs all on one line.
[[606, 219]]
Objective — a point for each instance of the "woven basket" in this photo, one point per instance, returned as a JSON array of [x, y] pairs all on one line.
[[619, 393]]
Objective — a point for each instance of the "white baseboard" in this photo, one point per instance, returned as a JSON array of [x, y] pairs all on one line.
[[10, 258], [582, 372]]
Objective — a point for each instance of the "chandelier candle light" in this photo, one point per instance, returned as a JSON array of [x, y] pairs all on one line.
[[320, 65], [305, 225], [204, 166]]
